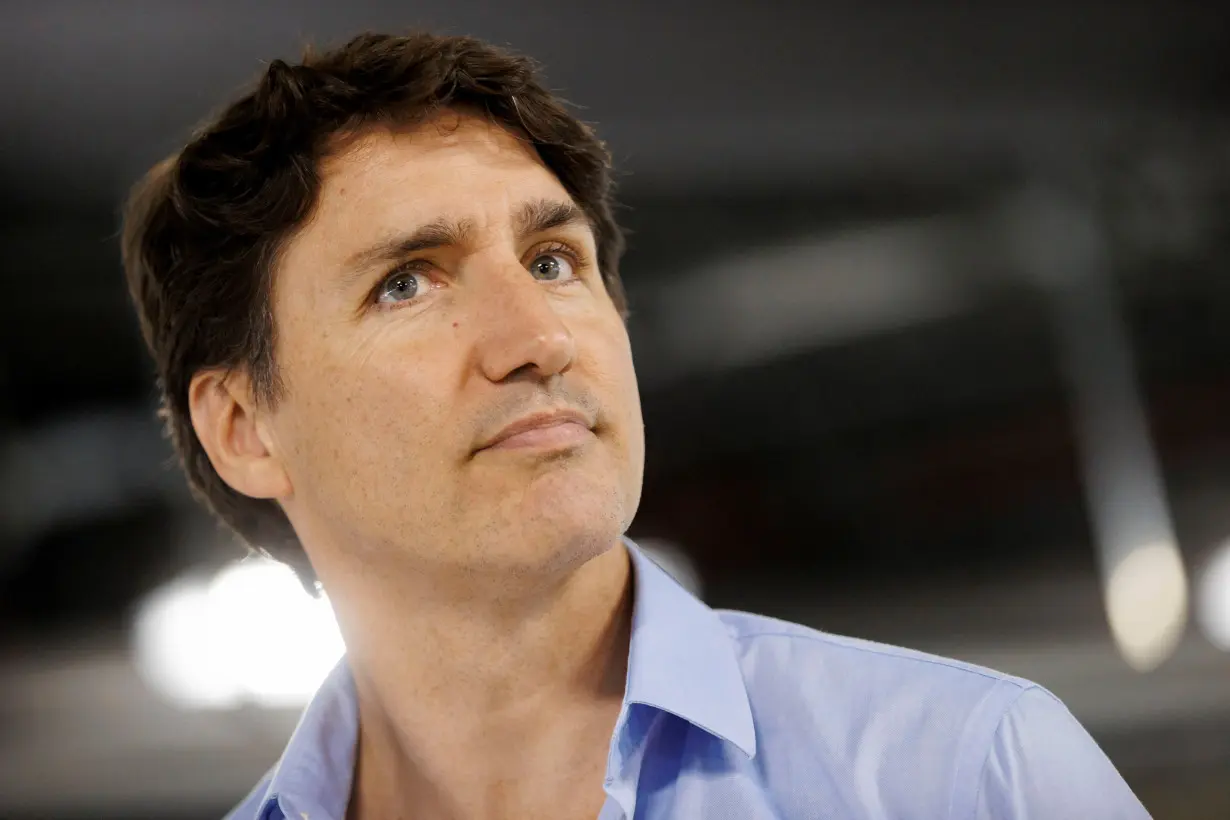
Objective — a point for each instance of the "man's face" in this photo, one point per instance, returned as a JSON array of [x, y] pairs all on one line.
[[445, 288]]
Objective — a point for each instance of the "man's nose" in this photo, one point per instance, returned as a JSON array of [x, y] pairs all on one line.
[[520, 329]]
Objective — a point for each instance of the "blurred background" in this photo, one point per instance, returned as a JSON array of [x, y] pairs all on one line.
[[931, 313]]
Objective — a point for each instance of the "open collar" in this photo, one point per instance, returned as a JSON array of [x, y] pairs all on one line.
[[681, 660]]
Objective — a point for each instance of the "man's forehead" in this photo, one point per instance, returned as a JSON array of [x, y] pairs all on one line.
[[387, 185], [461, 169], [440, 146]]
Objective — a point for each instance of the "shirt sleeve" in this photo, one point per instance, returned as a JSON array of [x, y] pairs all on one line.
[[1043, 765]]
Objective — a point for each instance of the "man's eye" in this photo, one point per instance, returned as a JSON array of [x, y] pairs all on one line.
[[552, 267], [402, 287]]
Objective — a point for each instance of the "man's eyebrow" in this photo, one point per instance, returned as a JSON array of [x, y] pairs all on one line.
[[531, 217], [439, 233], [540, 215]]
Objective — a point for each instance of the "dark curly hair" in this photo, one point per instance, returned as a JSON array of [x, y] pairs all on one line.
[[203, 230]]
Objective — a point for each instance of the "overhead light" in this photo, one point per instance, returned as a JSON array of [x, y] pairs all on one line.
[[173, 645], [1213, 600], [248, 635], [1060, 241], [1146, 604]]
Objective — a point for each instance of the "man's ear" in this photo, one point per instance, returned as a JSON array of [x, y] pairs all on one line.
[[230, 426]]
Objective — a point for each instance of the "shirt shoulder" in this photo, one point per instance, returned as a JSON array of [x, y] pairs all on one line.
[[764, 644], [1042, 759], [890, 727], [906, 730]]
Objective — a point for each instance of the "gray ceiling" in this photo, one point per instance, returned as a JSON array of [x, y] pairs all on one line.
[[721, 91]]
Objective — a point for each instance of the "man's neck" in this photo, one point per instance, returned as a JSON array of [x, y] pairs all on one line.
[[489, 707]]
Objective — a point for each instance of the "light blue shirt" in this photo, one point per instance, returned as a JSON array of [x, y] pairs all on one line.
[[730, 716]]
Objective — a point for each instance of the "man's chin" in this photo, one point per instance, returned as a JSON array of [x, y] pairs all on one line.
[[564, 517]]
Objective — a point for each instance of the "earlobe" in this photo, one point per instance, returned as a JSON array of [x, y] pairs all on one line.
[[227, 422]]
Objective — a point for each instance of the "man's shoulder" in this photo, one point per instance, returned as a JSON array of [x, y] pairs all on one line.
[[923, 723], [787, 665], [913, 733], [771, 638]]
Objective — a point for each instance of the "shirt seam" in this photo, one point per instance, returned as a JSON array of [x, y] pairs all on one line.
[[886, 653], [980, 773]]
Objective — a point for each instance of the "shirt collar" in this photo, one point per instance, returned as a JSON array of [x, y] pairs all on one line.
[[681, 659], [313, 777]]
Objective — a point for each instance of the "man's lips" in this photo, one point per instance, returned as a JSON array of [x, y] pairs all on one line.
[[545, 430]]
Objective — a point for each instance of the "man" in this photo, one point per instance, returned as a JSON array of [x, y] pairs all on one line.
[[382, 295]]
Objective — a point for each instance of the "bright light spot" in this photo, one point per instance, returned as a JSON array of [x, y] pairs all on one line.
[[1213, 603], [675, 561], [172, 643], [252, 634], [1146, 604]]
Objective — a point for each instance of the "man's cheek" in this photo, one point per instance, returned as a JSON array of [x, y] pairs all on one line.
[[367, 345]]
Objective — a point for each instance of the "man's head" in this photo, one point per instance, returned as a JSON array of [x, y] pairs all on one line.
[[358, 277]]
